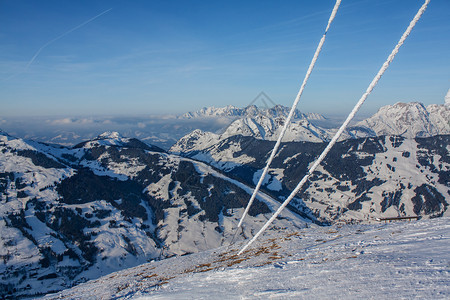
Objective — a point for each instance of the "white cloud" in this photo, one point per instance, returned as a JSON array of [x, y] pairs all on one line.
[[70, 121], [65, 121]]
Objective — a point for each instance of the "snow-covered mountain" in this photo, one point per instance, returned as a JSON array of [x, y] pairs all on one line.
[[115, 139], [408, 120], [405, 259], [265, 128], [261, 123], [360, 178], [248, 112], [68, 215], [165, 131], [260, 127]]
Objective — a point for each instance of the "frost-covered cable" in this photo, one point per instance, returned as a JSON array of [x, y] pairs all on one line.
[[344, 125], [291, 113]]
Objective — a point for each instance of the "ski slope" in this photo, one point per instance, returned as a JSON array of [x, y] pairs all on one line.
[[376, 261]]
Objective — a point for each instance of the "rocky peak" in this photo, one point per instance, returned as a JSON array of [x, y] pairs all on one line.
[[408, 120]]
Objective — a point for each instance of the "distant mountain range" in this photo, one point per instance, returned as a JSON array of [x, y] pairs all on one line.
[[160, 130], [408, 120], [262, 123], [249, 111]]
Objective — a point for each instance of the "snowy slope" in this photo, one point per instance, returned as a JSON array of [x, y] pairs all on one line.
[[195, 141], [360, 179], [402, 260], [69, 215]]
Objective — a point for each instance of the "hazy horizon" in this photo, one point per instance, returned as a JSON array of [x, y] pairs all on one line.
[[161, 130], [116, 57]]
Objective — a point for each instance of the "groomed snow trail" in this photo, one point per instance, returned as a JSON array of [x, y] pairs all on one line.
[[344, 125], [291, 113]]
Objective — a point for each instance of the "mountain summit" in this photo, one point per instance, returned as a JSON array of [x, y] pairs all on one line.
[[409, 120], [249, 111]]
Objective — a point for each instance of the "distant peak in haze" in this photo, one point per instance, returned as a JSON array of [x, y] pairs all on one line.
[[249, 111], [115, 139], [109, 135]]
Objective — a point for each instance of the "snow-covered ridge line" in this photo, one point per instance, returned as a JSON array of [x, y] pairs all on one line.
[[408, 120], [249, 111]]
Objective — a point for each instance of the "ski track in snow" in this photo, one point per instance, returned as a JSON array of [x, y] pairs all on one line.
[[402, 260]]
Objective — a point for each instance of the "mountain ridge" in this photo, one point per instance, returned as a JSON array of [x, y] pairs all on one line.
[[408, 120], [249, 111], [401, 119]]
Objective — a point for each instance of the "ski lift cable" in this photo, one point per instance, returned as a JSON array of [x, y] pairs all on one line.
[[344, 125], [291, 113]]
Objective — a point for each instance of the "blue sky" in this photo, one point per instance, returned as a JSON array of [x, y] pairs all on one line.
[[153, 57]]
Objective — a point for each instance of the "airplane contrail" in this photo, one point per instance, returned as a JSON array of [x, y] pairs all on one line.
[[55, 39]]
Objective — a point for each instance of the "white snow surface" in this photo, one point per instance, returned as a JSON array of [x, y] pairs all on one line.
[[402, 260], [108, 138]]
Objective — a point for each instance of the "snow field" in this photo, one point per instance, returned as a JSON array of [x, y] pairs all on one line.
[[403, 260]]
